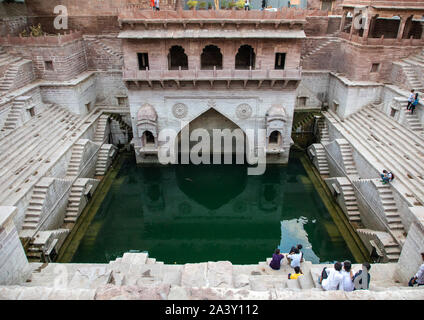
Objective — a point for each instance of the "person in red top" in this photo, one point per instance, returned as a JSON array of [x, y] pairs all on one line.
[[152, 4]]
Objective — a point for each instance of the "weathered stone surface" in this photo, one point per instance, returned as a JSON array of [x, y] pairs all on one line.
[[220, 274], [10, 292], [194, 275], [90, 278], [153, 292], [241, 280]]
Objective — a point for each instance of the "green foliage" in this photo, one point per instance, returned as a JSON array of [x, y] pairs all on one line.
[[231, 5], [240, 4], [192, 3], [202, 5], [224, 4]]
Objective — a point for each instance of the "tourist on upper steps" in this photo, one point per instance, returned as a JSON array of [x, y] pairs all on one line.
[[414, 104], [410, 99], [157, 5], [246, 4], [332, 279], [418, 279], [276, 260], [386, 176], [358, 275], [295, 258], [296, 274], [348, 276]]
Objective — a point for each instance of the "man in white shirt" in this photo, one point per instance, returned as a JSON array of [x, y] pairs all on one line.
[[347, 273], [295, 258], [334, 280], [419, 277], [410, 99]]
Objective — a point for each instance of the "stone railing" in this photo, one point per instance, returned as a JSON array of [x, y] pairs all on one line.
[[385, 3], [161, 75], [135, 14], [42, 40], [381, 41]]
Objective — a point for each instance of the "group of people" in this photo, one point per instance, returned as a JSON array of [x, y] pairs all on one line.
[[387, 176], [412, 101], [155, 5], [341, 277]]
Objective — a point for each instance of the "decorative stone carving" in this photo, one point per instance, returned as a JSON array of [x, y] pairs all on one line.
[[244, 111], [275, 125], [179, 110], [146, 122]]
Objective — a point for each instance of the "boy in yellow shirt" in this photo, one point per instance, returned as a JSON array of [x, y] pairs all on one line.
[[296, 274]]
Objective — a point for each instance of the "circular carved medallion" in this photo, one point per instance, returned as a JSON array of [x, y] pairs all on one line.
[[179, 110], [244, 111]]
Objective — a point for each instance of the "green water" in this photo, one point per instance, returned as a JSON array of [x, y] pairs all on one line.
[[188, 213]]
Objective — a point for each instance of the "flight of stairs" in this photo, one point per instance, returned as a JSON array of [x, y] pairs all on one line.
[[351, 203], [14, 115], [137, 276], [73, 209], [9, 77], [386, 145], [318, 48], [347, 156], [412, 77], [76, 158], [324, 135], [389, 206], [322, 160], [100, 133], [33, 212], [104, 159], [414, 123]]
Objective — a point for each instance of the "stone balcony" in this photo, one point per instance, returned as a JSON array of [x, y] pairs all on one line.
[[271, 78], [381, 41]]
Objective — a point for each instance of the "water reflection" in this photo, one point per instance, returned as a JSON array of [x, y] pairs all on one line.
[[192, 213]]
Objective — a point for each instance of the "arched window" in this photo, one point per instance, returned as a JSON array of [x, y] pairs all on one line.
[[274, 137], [148, 138], [211, 56], [177, 58], [245, 57]]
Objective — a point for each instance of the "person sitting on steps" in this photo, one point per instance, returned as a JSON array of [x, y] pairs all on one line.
[[387, 176], [276, 260], [357, 279], [418, 279], [347, 273], [296, 273], [332, 279], [299, 247], [295, 258]]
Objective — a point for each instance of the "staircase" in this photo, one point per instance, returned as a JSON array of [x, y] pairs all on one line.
[[391, 248], [74, 203], [390, 207], [412, 77], [104, 159], [386, 146], [318, 48], [14, 115], [414, 123], [34, 210], [347, 156], [136, 276], [350, 200], [9, 78], [76, 159], [100, 134], [324, 135], [322, 160]]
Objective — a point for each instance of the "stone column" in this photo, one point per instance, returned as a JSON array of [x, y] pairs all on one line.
[[343, 22], [401, 27], [369, 26]]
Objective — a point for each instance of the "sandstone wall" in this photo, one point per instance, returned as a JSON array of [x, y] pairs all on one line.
[[13, 261]]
